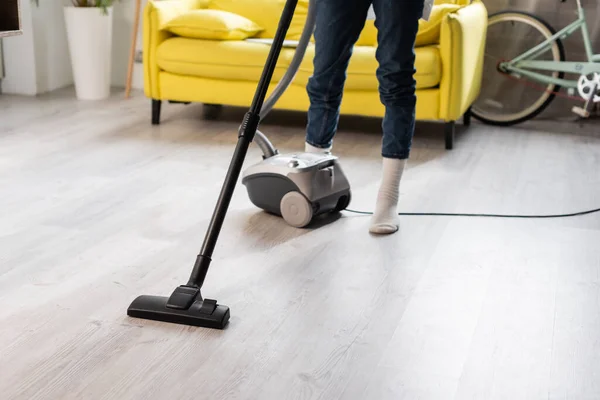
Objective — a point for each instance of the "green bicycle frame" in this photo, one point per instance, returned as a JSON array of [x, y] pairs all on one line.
[[525, 61]]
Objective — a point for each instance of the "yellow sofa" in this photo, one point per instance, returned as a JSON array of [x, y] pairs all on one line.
[[449, 59]]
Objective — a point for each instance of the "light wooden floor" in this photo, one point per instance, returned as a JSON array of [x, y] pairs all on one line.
[[98, 207]]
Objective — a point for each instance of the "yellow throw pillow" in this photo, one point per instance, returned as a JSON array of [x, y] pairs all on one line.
[[266, 13], [429, 31], [212, 24]]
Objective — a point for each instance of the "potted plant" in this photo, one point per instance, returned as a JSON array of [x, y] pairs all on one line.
[[89, 34]]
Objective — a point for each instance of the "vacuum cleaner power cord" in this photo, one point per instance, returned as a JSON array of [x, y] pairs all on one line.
[[434, 214]]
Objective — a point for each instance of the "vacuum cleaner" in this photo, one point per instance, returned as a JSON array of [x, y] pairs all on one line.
[[296, 186]]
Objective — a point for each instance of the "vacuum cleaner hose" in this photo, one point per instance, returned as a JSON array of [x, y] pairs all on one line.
[[261, 140]]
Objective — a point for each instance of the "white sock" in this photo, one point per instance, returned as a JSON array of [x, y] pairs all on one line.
[[309, 148], [385, 219]]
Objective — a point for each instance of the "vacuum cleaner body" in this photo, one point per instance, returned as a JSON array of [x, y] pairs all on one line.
[[298, 186]]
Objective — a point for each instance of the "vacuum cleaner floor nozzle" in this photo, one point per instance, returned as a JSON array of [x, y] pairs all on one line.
[[204, 313]]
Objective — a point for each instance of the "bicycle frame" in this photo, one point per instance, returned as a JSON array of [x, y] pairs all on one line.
[[525, 61]]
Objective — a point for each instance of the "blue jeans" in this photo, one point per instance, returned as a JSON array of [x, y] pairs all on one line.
[[338, 26]]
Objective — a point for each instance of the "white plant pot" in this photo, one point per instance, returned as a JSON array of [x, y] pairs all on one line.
[[89, 33]]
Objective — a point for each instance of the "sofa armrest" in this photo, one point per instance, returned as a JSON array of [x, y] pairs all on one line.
[[462, 47], [156, 14]]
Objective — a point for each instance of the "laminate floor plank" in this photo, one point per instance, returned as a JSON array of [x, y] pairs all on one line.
[[99, 206]]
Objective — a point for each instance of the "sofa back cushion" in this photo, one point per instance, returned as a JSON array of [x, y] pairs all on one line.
[[265, 13], [429, 31]]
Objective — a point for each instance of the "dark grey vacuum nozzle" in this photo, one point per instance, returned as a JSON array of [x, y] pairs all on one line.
[[185, 306]]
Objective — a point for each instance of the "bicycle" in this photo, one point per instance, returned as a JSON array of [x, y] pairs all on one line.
[[541, 65]]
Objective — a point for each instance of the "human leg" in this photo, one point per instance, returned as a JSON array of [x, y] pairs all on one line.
[[338, 26], [397, 22]]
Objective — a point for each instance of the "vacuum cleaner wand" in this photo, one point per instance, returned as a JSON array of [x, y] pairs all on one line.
[[186, 305]]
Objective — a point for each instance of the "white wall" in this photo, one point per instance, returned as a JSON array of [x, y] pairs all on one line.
[[53, 67], [123, 27], [38, 61], [138, 69], [19, 57]]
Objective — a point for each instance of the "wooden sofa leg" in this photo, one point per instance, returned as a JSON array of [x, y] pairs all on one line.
[[450, 129], [156, 111], [467, 117]]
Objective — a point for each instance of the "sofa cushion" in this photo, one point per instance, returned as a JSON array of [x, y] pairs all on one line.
[[429, 31], [266, 13], [368, 36], [363, 66], [227, 59], [212, 24]]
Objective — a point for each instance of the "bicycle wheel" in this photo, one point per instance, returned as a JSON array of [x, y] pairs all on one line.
[[508, 99]]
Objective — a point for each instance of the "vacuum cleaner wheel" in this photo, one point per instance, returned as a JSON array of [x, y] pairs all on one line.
[[296, 210]]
